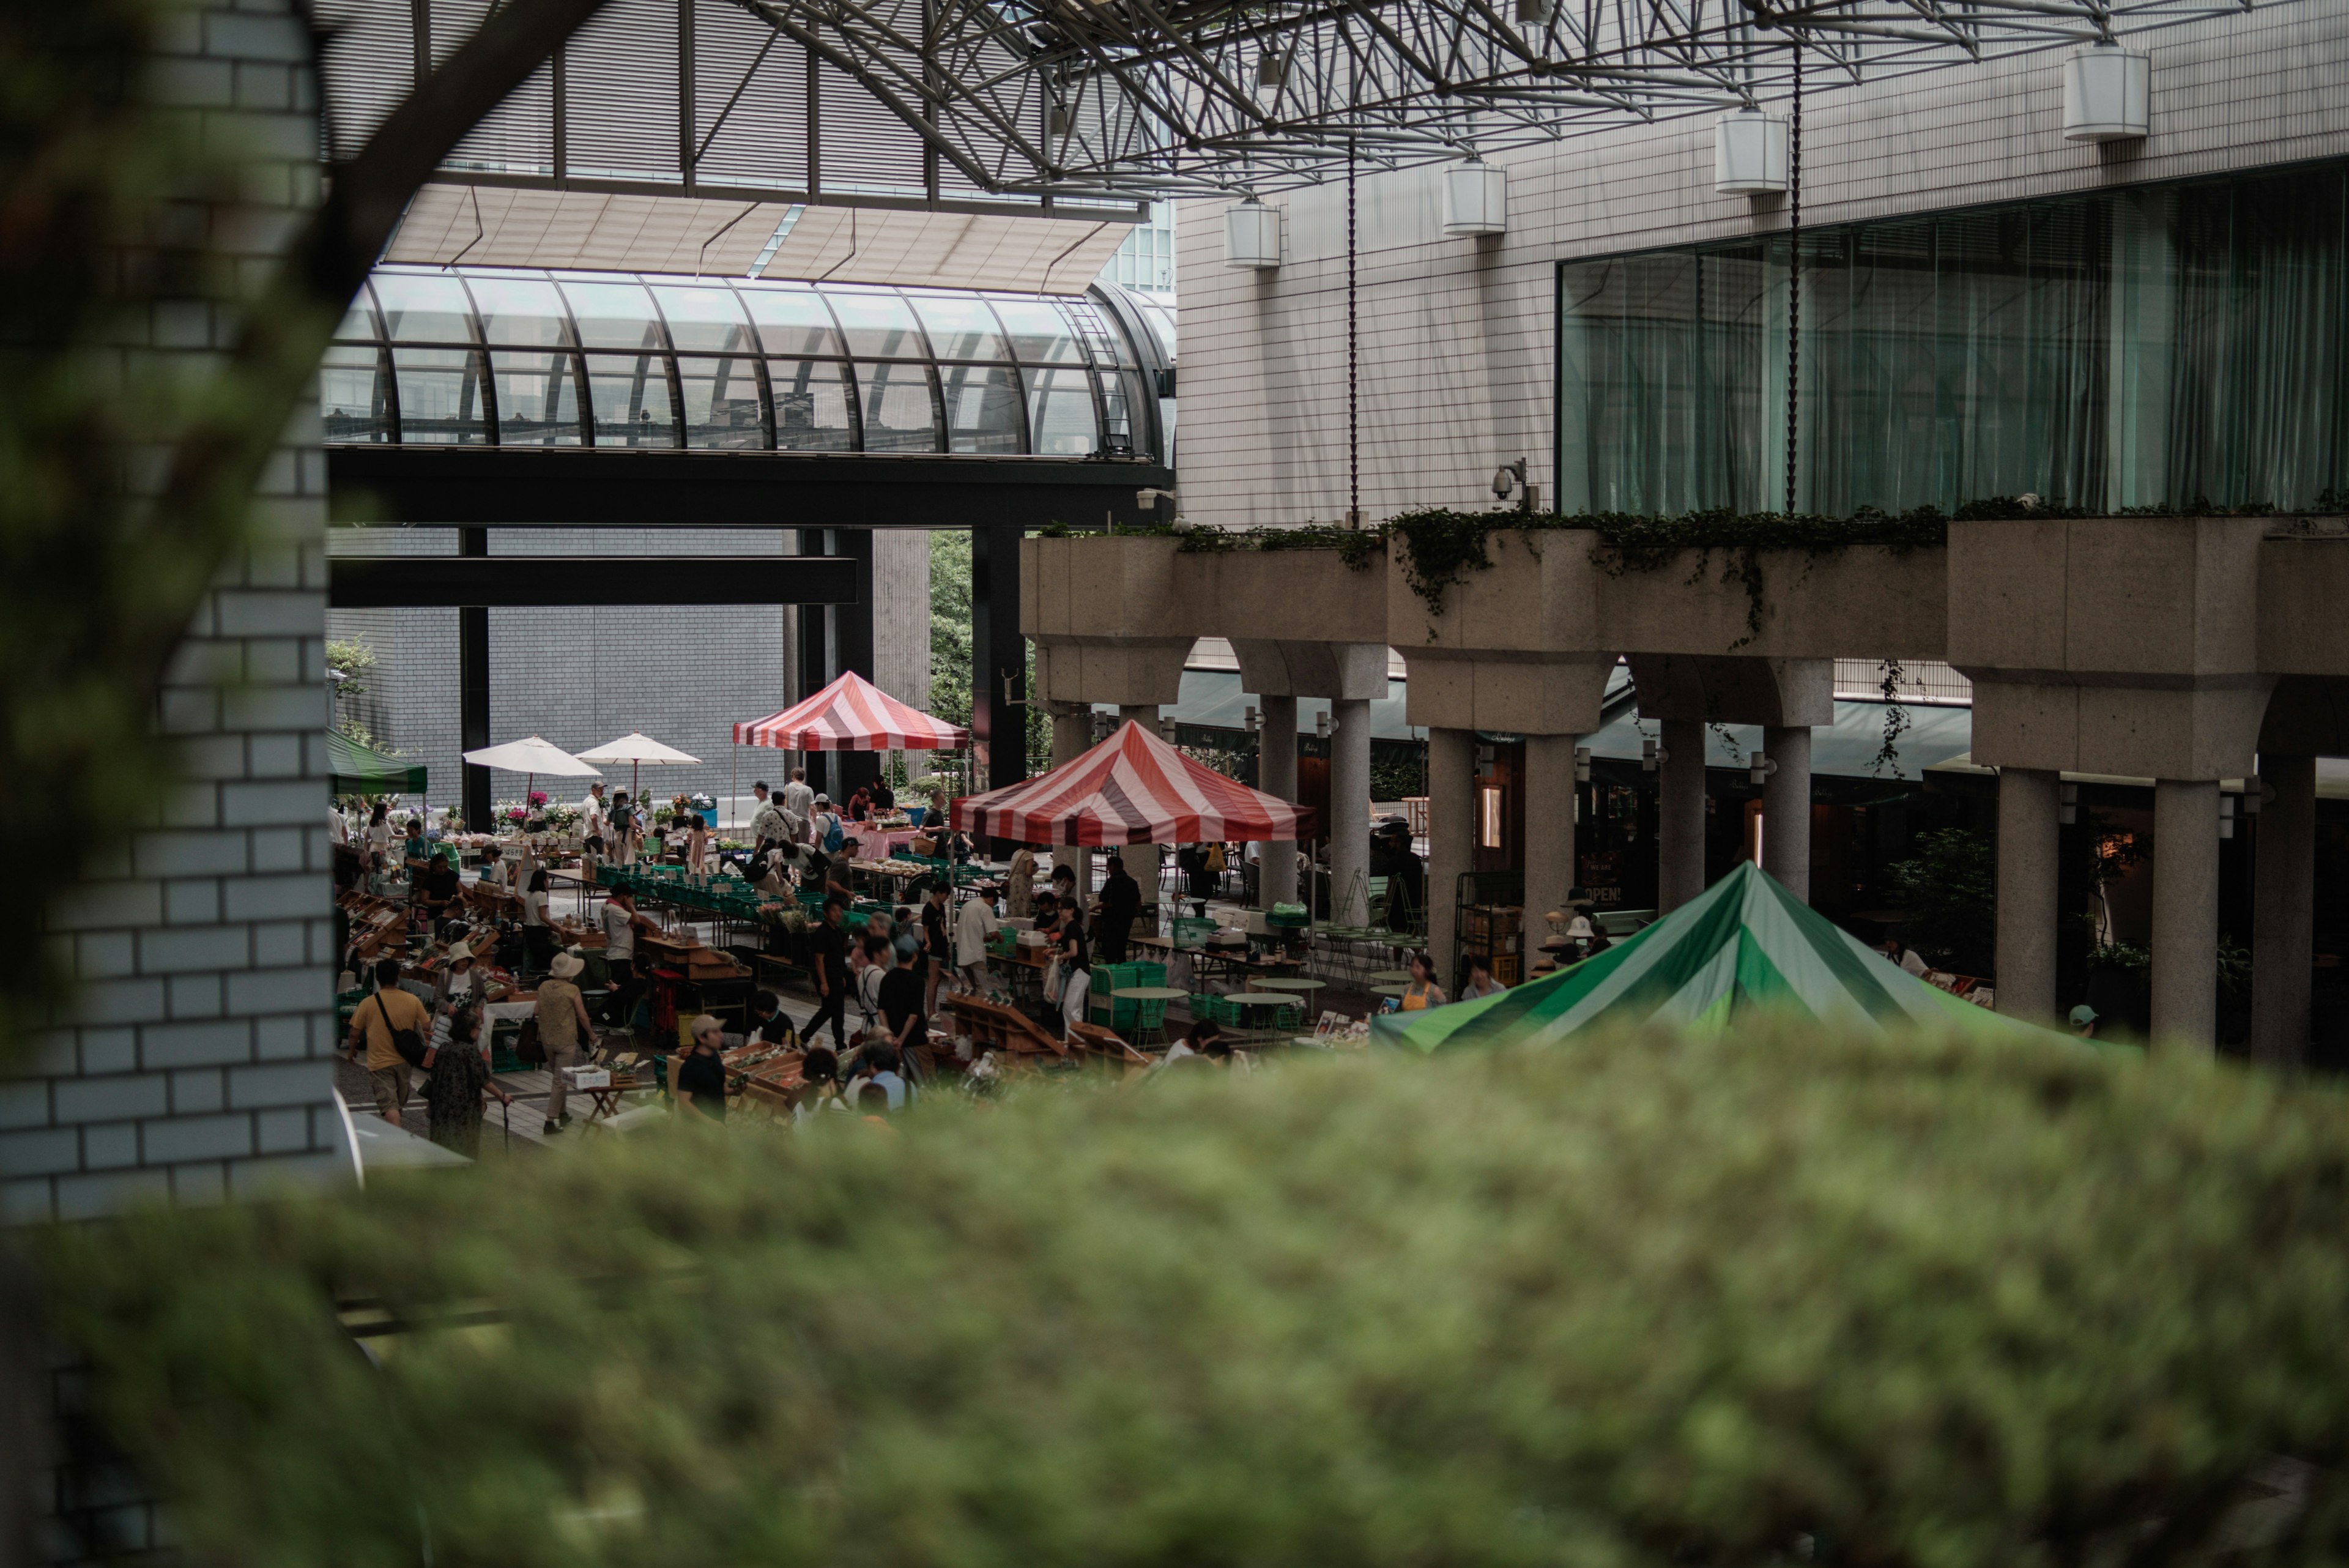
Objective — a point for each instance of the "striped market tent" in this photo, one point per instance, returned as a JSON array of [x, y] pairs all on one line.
[[851, 714], [1132, 788], [1745, 944]]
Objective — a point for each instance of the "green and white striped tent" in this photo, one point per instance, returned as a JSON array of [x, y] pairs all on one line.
[[1745, 944]]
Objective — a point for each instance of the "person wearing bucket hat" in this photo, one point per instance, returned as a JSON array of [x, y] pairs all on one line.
[[563, 1029], [2085, 1020]]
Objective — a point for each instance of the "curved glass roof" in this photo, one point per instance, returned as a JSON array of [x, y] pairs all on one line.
[[505, 356]]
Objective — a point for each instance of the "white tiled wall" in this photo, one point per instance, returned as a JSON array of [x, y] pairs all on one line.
[[1457, 335]]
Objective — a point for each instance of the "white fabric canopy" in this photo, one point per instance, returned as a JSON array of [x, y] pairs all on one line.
[[533, 755], [635, 747]]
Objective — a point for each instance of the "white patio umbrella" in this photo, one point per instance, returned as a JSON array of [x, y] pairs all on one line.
[[636, 750], [532, 757]]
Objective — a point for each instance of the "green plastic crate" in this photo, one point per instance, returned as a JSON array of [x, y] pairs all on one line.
[[1190, 933]]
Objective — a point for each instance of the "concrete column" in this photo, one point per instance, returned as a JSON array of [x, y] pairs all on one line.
[[2185, 913], [2027, 803], [1277, 775], [1680, 814], [1142, 860], [1072, 734], [1786, 808], [1350, 809], [1549, 824], [2283, 912], [1451, 832]]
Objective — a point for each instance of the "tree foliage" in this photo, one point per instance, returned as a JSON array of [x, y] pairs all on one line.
[[1637, 1301], [1950, 890]]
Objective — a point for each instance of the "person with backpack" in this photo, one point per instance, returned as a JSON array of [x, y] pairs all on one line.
[[825, 830], [393, 1024]]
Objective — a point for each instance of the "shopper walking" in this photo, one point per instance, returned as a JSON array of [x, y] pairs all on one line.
[[975, 924], [828, 949], [460, 1077], [537, 926], [377, 1025], [564, 1032]]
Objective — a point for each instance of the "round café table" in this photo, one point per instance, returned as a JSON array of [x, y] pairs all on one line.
[[1303, 985], [1397, 992], [1159, 993], [1387, 977]]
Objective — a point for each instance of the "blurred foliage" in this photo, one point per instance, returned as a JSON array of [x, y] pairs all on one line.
[[1950, 888], [102, 220], [1643, 1300]]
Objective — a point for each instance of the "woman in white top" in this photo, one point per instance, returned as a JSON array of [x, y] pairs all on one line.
[[697, 847], [379, 832]]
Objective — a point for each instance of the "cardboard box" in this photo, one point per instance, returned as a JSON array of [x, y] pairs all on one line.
[[587, 1077]]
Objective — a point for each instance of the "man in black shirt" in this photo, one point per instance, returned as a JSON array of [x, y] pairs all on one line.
[[1120, 901], [701, 1075], [828, 947], [902, 1013], [937, 947]]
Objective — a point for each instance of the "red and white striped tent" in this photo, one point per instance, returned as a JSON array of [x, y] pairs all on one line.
[[851, 714], [1132, 788]]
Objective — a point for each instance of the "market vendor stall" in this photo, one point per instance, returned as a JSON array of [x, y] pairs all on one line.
[[851, 714], [1134, 788], [1742, 946], [356, 769]]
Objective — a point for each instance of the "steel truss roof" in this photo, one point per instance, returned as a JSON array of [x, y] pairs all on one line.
[[1068, 107]]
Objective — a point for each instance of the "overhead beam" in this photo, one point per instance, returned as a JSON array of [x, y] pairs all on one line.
[[472, 582], [521, 487]]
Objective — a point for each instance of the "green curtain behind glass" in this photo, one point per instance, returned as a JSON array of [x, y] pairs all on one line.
[[2117, 349]]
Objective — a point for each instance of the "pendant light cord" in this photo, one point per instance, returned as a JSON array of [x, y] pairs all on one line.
[[1353, 364], [1793, 281]]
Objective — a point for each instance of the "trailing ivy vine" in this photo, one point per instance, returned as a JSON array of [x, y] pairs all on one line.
[[1895, 719]]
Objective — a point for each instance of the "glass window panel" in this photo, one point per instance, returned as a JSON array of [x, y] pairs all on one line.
[[440, 401], [355, 394], [705, 320], [898, 414], [629, 395], [359, 321], [613, 315], [1039, 333], [538, 399], [1116, 415], [960, 327], [879, 325], [424, 307], [811, 406], [791, 320], [721, 402], [1061, 412], [982, 407], [1162, 322], [523, 312]]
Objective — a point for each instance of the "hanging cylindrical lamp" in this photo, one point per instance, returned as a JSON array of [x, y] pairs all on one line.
[[1252, 234], [1475, 198], [2107, 94], [1749, 153]]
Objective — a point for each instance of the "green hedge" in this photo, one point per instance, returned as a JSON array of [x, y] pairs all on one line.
[[1641, 1302]]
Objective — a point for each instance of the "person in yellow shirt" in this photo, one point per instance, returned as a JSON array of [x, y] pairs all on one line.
[[1422, 991], [387, 1010]]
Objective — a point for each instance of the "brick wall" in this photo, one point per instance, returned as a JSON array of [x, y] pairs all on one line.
[[1457, 336], [194, 1063]]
